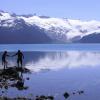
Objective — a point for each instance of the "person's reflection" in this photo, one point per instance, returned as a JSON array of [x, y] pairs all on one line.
[[13, 79], [20, 82]]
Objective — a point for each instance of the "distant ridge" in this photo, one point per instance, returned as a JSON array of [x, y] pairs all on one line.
[[44, 29]]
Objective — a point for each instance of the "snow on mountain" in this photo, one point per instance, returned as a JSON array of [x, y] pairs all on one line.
[[60, 28], [67, 27], [5, 16], [6, 19]]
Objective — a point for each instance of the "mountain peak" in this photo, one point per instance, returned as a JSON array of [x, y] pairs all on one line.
[[56, 28]]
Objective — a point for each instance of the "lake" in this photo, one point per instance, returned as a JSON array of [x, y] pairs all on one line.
[[49, 47], [56, 69]]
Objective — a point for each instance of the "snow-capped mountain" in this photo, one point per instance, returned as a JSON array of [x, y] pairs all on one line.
[[44, 29]]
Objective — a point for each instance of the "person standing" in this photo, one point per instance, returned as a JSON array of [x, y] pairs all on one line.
[[20, 58], [4, 60]]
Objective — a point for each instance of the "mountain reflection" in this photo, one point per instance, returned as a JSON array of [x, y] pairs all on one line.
[[37, 61], [69, 59]]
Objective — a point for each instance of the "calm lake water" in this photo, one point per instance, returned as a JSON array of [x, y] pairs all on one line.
[[56, 69], [49, 47]]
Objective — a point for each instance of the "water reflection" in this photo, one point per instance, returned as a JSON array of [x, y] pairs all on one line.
[[58, 60], [37, 61], [54, 82], [12, 77]]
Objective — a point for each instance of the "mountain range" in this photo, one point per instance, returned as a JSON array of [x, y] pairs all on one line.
[[33, 29]]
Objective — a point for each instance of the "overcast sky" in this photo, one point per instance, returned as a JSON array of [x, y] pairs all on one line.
[[74, 9]]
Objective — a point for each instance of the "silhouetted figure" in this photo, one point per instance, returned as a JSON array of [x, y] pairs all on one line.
[[20, 58], [4, 61]]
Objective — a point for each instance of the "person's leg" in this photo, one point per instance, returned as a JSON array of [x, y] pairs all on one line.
[[21, 62], [18, 62], [6, 64], [2, 62]]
